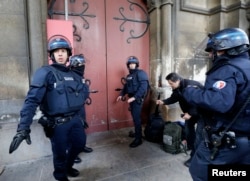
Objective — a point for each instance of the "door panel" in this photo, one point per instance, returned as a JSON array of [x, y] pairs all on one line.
[[98, 35], [93, 46], [122, 18]]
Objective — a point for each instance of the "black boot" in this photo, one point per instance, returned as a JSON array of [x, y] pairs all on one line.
[[87, 149], [77, 160], [135, 143], [73, 172], [188, 162], [131, 134]]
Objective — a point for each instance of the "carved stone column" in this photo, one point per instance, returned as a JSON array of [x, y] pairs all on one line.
[[166, 38], [37, 15]]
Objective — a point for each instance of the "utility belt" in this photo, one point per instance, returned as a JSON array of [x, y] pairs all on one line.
[[219, 138], [62, 120], [214, 140], [138, 100], [47, 121]]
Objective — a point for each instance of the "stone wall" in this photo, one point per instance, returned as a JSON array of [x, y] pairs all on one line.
[[22, 33]]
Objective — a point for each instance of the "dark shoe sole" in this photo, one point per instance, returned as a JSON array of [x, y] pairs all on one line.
[[87, 150], [73, 172], [134, 145], [188, 162], [78, 160]]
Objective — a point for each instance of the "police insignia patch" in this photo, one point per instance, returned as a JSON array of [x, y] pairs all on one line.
[[219, 84]]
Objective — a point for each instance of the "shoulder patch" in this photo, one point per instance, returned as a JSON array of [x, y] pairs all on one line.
[[219, 84]]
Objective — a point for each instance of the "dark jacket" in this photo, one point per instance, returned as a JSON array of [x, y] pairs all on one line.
[[177, 96], [226, 89], [136, 85], [63, 97]]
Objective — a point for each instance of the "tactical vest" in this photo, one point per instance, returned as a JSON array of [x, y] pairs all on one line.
[[67, 95], [132, 83]]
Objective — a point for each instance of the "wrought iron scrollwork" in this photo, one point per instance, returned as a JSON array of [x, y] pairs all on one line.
[[82, 15], [78, 37], [125, 19]]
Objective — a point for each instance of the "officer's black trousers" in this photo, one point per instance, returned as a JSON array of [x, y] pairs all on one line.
[[135, 109], [190, 133], [67, 142]]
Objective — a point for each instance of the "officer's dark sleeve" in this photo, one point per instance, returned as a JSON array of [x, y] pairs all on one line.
[[124, 90], [192, 109], [33, 99], [172, 99], [212, 98], [143, 84]]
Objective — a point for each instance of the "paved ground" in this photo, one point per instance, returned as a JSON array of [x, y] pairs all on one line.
[[111, 160]]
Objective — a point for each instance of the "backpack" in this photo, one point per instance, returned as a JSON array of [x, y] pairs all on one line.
[[154, 129], [172, 138]]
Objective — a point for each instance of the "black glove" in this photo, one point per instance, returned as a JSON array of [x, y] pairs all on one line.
[[18, 138]]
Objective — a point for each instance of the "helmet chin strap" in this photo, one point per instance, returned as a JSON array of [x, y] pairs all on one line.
[[132, 70], [214, 54], [52, 57]]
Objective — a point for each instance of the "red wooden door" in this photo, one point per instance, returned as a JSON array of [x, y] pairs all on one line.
[[107, 32], [124, 26]]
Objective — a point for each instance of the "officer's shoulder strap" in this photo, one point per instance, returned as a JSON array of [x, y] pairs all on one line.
[[59, 78], [79, 78], [240, 69], [40, 76], [146, 78], [142, 74], [230, 64]]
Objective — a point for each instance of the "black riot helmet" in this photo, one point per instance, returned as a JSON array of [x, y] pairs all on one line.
[[132, 59], [77, 64], [209, 43], [57, 42], [77, 60], [233, 40]]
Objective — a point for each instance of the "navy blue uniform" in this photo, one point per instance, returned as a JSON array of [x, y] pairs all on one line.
[[136, 86], [226, 89], [58, 100], [192, 110]]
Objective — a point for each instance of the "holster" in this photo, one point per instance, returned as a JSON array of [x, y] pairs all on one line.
[[214, 140], [48, 126], [139, 100], [85, 124], [206, 132]]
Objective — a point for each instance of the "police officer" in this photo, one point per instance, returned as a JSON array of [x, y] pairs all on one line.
[[135, 88], [60, 95], [227, 87], [77, 65], [190, 114]]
